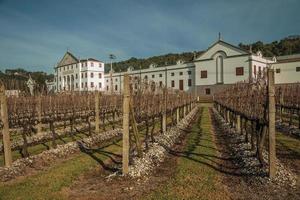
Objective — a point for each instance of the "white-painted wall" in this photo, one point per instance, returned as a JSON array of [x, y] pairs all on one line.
[[81, 83], [288, 73]]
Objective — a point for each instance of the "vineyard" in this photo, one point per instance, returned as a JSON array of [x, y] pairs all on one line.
[[251, 108], [39, 123], [151, 142]]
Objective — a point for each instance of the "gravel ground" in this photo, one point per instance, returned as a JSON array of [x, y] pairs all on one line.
[[157, 151]]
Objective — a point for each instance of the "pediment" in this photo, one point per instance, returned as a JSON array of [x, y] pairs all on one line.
[[224, 48], [68, 59]]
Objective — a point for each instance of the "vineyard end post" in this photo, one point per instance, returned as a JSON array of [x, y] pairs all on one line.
[[39, 112], [280, 106], [177, 115], [271, 106], [97, 119], [126, 110], [238, 123], [5, 129], [164, 117], [228, 116]]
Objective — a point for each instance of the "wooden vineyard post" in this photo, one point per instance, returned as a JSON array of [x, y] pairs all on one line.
[[39, 112], [177, 115], [238, 123], [227, 116], [184, 109], [280, 105], [126, 103], [5, 128], [271, 106], [97, 119], [164, 117]]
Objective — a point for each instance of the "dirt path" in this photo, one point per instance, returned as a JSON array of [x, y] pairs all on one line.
[[189, 172]]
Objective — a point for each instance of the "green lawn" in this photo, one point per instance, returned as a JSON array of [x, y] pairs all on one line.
[[194, 178], [48, 183], [285, 142]]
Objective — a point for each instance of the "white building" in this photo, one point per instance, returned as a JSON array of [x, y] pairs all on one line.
[[287, 69], [224, 64], [179, 76], [221, 65], [76, 74]]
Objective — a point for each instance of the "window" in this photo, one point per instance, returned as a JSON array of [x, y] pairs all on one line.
[[60, 78], [207, 91], [297, 69], [76, 76], [189, 72], [81, 85], [71, 66], [153, 76], [146, 77], [85, 84], [204, 74], [92, 84], [76, 85], [172, 83], [172, 74], [92, 75], [106, 80], [278, 71], [107, 88], [116, 87], [100, 85], [100, 65], [92, 64], [81, 75], [190, 82], [239, 71], [180, 73], [100, 75], [85, 74], [116, 80], [160, 75], [160, 83], [254, 70]]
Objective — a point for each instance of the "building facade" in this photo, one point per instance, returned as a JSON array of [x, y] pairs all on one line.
[[73, 74], [221, 65]]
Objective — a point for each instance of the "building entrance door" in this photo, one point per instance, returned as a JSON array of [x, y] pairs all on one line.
[[180, 84]]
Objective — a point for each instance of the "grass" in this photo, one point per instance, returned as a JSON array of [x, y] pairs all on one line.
[[285, 142], [194, 178], [48, 184]]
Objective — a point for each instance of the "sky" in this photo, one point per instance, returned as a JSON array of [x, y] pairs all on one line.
[[35, 34]]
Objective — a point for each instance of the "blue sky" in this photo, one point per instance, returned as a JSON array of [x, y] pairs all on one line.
[[35, 34]]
